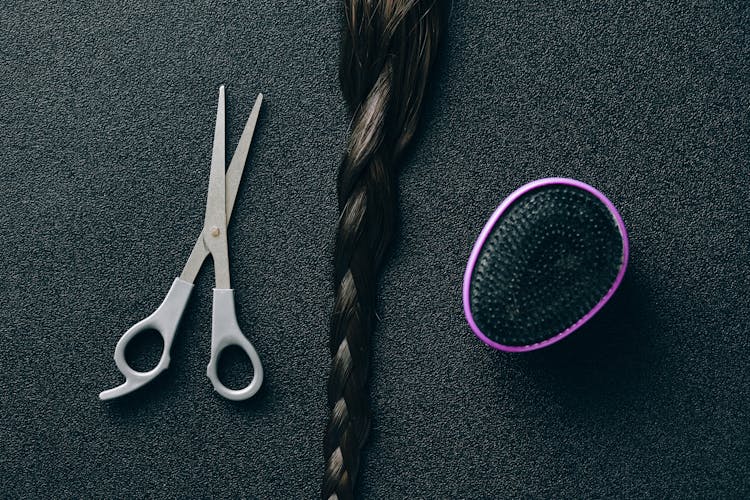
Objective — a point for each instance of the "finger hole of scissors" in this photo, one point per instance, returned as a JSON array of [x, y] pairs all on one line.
[[144, 350], [234, 368]]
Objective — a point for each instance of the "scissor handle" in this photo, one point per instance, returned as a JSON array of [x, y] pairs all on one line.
[[165, 320], [226, 332]]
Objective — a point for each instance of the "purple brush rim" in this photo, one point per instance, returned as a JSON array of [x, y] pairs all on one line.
[[488, 229]]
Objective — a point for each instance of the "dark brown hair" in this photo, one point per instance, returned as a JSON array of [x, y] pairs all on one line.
[[387, 51]]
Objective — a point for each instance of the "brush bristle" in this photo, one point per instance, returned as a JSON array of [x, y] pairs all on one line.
[[550, 258]]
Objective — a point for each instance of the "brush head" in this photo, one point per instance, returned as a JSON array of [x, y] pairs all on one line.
[[548, 259]]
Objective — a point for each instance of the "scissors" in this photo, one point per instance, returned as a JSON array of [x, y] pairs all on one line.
[[225, 332]]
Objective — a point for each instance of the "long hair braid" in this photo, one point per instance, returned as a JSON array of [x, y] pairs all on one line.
[[388, 49]]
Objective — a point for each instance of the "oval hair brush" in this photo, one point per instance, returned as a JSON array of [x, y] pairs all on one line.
[[548, 259]]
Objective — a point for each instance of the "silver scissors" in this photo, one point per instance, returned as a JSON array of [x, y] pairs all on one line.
[[225, 332]]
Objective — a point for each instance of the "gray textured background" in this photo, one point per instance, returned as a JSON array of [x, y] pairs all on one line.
[[106, 115]]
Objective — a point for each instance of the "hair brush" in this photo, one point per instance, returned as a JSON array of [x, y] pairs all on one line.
[[550, 256]]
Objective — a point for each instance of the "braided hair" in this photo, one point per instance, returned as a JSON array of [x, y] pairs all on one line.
[[388, 49]]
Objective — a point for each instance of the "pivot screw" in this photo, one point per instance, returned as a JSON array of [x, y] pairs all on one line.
[[215, 231]]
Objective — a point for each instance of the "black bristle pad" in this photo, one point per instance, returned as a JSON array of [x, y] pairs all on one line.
[[550, 258]]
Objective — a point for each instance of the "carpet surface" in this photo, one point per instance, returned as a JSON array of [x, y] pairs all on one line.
[[106, 120]]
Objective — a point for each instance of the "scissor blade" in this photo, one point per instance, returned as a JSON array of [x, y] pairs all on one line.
[[195, 261], [232, 181], [215, 202], [237, 166], [215, 227]]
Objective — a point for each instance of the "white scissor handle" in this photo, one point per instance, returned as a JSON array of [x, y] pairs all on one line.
[[226, 332], [164, 320]]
